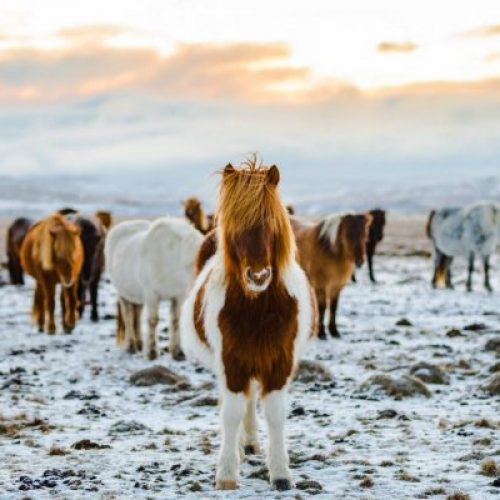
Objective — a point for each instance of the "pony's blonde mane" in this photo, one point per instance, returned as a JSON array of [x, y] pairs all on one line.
[[247, 199], [66, 233]]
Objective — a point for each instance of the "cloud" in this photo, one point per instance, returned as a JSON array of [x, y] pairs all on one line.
[[492, 57], [192, 71], [92, 33], [404, 46], [482, 31]]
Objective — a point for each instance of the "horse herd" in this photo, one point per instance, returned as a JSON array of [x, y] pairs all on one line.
[[247, 288]]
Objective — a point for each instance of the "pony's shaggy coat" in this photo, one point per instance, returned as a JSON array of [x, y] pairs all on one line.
[[464, 232], [150, 262], [329, 252], [250, 335], [52, 253]]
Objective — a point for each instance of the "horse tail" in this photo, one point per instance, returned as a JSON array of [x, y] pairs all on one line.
[[46, 249], [428, 228], [441, 268]]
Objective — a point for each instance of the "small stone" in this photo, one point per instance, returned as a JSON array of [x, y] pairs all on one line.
[[493, 344], [387, 414], [492, 385], [475, 327], [158, 375], [454, 332], [404, 322], [308, 484]]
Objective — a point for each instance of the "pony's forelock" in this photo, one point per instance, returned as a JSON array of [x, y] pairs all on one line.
[[248, 198]]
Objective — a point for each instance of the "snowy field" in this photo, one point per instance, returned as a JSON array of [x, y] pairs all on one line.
[[346, 439]]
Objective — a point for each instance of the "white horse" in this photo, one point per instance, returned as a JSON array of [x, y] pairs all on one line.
[[149, 262], [464, 232]]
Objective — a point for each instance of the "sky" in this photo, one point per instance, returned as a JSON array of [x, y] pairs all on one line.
[[382, 89]]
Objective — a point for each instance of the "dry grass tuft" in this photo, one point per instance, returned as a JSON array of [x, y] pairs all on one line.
[[458, 495], [489, 468]]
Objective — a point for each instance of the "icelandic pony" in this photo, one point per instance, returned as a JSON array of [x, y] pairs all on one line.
[[52, 253], [92, 235], [464, 232], [16, 233], [375, 236], [249, 315], [329, 251], [196, 215], [149, 262]]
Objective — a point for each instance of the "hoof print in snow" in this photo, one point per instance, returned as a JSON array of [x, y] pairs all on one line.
[[159, 375], [398, 388], [430, 374]]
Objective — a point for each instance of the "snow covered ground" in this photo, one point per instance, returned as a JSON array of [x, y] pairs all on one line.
[[344, 441]]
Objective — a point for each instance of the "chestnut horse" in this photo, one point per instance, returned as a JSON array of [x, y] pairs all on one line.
[[375, 236], [16, 233], [196, 215], [52, 253], [329, 251], [249, 315]]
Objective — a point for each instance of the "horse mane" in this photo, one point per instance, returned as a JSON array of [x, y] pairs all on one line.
[[328, 229], [248, 199], [55, 223]]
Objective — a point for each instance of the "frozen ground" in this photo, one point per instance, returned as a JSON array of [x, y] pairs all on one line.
[[163, 441]]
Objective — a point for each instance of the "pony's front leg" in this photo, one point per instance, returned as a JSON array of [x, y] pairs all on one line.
[[49, 303], [233, 407], [151, 344], [175, 343], [486, 263], [250, 436], [275, 411], [471, 270], [38, 313], [70, 310]]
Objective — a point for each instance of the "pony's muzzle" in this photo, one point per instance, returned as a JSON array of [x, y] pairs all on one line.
[[258, 281]]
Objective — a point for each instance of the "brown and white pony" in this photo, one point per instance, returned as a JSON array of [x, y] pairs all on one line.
[[105, 218], [16, 233], [196, 215], [249, 315], [329, 251], [52, 253]]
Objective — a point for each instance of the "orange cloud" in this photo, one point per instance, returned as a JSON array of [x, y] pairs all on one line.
[[405, 46], [92, 33], [246, 70], [482, 31]]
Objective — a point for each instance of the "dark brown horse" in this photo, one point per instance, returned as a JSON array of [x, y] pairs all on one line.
[[92, 235], [15, 236], [375, 236]]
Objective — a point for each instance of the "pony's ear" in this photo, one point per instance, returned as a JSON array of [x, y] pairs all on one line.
[[273, 175], [228, 170]]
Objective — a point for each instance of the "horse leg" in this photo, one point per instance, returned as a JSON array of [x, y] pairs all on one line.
[[471, 270], [127, 310], [62, 299], [38, 313], [49, 291], [486, 263], [448, 281], [120, 324], [439, 261], [82, 295], [250, 437], [94, 287], [275, 412], [333, 316], [71, 299], [370, 264], [321, 298], [175, 344], [137, 326], [353, 277], [233, 408], [151, 345]]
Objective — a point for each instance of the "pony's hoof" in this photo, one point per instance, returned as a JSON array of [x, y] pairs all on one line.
[[322, 335], [51, 331], [282, 484], [68, 329], [178, 355], [152, 355], [251, 449], [40, 329], [131, 349], [335, 333], [94, 317], [226, 484]]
